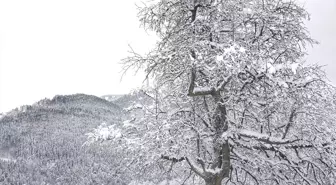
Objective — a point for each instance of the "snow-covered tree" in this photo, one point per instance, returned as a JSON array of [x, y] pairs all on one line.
[[234, 102]]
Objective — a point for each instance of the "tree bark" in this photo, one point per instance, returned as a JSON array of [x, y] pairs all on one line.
[[214, 181], [221, 149]]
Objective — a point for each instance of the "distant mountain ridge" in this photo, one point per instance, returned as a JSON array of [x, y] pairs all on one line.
[[66, 104]]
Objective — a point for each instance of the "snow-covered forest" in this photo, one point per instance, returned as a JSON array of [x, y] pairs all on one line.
[[230, 100]]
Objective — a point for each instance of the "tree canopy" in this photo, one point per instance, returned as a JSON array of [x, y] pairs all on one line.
[[233, 100]]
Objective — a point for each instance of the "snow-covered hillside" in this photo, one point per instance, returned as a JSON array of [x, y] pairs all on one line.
[[43, 143], [112, 97]]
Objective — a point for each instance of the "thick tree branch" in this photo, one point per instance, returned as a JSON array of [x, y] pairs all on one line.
[[223, 84], [194, 12], [195, 169], [173, 159], [290, 122], [271, 148], [197, 91]]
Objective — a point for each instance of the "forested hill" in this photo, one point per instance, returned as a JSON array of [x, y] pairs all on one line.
[[43, 143]]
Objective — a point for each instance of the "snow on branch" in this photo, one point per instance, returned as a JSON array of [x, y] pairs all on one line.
[[200, 171], [203, 91], [197, 91], [195, 168], [265, 138]]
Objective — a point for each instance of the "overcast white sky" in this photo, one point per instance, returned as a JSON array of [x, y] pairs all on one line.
[[74, 46]]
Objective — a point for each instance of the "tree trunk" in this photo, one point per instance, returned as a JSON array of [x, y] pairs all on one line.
[[215, 180], [221, 150]]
